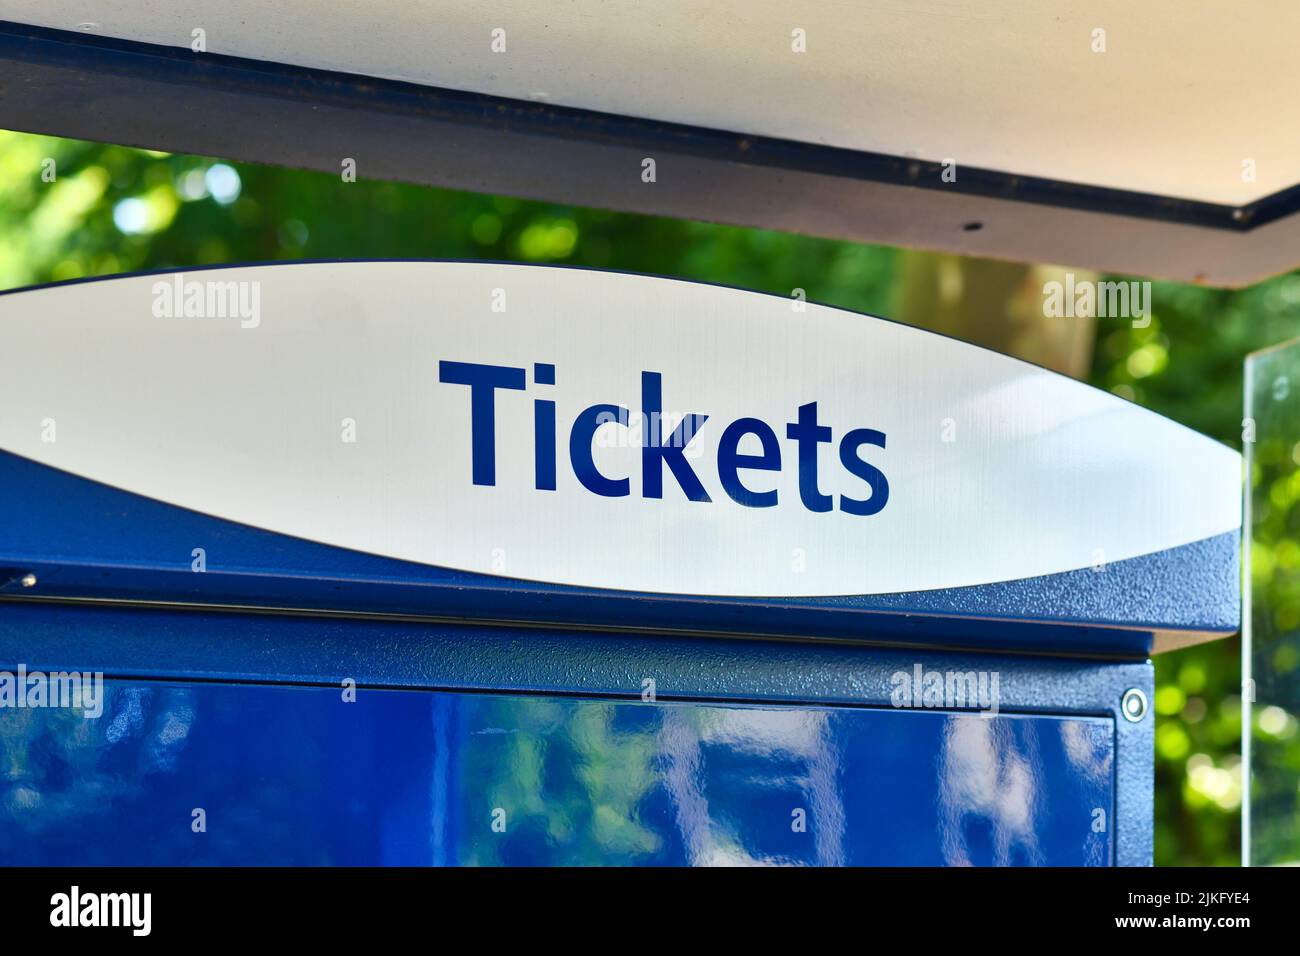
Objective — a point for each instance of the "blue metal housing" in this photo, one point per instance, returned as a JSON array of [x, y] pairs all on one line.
[[244, 716], [83, 539], [769, 750], [774, 732]]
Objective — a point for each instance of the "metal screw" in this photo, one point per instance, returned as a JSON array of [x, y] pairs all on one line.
[[1133, 705], [28, 580]]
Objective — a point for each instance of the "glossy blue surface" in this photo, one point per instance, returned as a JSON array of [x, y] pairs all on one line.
[[298, 775]]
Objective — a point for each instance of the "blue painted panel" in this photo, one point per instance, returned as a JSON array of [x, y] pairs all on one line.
[[295, 775], [85, 539]]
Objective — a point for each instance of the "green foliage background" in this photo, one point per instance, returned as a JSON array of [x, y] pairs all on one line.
[[110, 209]]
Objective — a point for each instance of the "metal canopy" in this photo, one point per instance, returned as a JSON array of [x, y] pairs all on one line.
[[1172, 152]]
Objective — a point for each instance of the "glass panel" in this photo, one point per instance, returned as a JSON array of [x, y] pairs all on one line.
[[298, 775], [1271, 639]]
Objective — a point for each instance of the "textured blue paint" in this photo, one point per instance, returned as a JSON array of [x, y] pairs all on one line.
[[296, 775], [85, 539]]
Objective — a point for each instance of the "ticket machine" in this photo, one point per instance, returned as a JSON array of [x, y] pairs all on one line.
[[475, 563]]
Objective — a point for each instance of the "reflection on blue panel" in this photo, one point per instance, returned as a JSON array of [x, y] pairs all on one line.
[[297, 775]]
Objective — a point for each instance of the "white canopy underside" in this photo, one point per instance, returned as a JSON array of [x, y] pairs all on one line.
[[1188, 100]]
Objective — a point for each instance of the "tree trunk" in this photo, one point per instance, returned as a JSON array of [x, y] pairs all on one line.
[[998, 305]]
